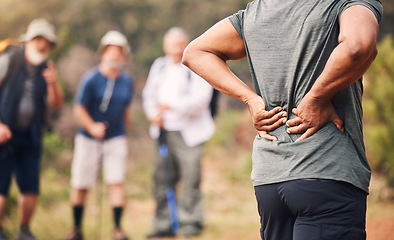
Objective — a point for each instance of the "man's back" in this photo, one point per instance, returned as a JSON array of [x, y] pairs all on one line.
[[288, 44], [306, 58]]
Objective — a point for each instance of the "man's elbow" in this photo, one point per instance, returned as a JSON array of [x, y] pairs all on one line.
[[56, 104], [59, 103], [362, 50], [77, 109], [189, 55], [186, 57]]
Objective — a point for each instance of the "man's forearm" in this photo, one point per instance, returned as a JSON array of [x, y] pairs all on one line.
[[207, 56], [216, 72], [127, 118], [82, 116], [342, 69], [55, 95]]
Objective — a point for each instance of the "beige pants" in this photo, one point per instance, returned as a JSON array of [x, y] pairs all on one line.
[[90, 154]]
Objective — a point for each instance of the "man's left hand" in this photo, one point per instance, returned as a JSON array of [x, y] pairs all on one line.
[[50, 73], [311, 115]]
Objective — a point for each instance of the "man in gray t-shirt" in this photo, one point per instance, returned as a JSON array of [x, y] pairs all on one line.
[[306, 59]]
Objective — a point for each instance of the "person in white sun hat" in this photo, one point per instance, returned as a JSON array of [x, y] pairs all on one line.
[[103, 113], [27, 83]]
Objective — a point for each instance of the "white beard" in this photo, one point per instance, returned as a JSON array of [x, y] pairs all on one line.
[[35, 57]]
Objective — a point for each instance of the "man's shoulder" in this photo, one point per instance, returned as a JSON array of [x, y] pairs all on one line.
[[12, 49], [89, 80], [126, 77], [160, 62], [13, 53], [11, 59], [90, 75]]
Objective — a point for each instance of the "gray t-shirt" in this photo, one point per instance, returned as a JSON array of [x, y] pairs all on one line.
[[288, 44], [26, 106]]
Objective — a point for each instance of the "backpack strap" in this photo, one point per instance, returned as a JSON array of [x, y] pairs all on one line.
[[15, 60], [8, 42], [10, 85]]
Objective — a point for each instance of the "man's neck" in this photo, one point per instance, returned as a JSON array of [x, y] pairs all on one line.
[[109, 72], [175, 60]]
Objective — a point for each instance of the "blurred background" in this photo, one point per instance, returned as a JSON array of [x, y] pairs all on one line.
[[230, 208]]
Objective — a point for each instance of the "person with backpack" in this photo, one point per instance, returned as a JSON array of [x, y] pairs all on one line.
[[102, 110], [27, 83], [176, 102]]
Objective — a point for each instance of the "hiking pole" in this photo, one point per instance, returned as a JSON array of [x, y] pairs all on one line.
[[99, 188], [100, 150], [170, 193]]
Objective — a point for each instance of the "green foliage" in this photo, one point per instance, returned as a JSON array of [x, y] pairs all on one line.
[[143, 22], [379, 110], [225, 124], [57, 154]]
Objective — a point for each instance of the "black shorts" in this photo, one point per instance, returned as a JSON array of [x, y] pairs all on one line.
[[311, 209], [22, 159]]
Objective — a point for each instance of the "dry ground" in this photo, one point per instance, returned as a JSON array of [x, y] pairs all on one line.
[[230, 209], [228, 197]]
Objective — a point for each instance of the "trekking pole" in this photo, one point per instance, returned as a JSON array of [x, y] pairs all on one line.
[[170, 193], [100, 144], [99, 189]]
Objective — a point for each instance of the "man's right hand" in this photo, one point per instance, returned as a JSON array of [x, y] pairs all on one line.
[[157, 120], [5, 133], [97, 130], [265, 121]]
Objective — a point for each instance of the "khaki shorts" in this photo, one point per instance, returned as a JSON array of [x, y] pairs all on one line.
[[90, 154]]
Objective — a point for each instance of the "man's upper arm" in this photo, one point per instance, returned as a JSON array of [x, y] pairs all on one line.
[[84, 94], [222, 40], [359, 26]]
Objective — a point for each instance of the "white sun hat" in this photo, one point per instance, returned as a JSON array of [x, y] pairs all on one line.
[[40, 28], [115, 38]]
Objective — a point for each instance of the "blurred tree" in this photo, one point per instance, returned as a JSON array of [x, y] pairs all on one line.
[[379, 110], [143, 22], [81, 24]]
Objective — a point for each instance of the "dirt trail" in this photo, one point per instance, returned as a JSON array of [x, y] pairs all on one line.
[[380, 229]]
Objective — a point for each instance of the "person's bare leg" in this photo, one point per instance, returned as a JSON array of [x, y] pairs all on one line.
[[78, 199], [27, 205], [3, 203], [117, 195], [78, 196]]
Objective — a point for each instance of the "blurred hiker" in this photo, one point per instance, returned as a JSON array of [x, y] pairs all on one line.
[[177, 101], [27, 83], [102, 110], [310, 172]]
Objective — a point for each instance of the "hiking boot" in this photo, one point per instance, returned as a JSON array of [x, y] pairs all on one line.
[[161, 234], [75, 234], [2, 235], [118, 234], [192, 230], [25, 234]]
